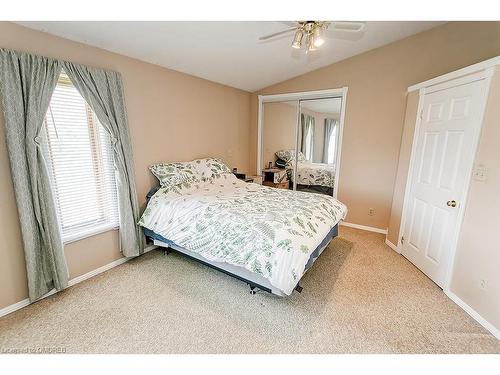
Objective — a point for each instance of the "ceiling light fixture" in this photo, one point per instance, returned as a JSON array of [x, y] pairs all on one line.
[[313, 32], [297, 39], [318, 36], [311, 46]]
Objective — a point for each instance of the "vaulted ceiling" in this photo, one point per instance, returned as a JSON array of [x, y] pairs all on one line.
[[227, 52]]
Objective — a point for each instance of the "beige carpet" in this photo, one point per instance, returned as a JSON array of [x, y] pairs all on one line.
[[359, 297]]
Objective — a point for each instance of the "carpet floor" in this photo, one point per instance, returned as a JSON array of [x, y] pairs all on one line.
[[359, 297]]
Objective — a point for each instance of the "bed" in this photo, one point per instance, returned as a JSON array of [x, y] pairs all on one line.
[[318, 177], [267, 237]]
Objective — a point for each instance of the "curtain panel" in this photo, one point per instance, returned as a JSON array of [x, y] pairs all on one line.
[[26, 86]]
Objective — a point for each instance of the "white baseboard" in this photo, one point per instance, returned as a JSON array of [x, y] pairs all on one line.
[[474, 314], [363, 227], [97, 271], [14, 307], [391, 245], [25, 302]]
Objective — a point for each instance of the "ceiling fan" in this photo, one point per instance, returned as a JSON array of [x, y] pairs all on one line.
[[313, 32]]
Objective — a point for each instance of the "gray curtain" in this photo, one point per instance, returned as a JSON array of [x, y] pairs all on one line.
[[103, 91], [26, 86], [307, 125], [330, 125]]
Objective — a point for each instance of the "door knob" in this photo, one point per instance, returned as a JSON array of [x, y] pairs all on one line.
[[451, 204]]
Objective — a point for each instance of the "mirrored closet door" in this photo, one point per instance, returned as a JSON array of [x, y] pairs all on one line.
[[300, 141], [318, 140]]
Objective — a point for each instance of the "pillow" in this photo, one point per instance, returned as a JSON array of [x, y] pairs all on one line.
[[171, 174], [217, 166], [289, 155], [224, 179]]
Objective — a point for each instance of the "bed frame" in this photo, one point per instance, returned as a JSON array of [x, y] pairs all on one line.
[[255, 281]]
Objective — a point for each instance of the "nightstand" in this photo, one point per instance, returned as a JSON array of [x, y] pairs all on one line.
[[275, 177]]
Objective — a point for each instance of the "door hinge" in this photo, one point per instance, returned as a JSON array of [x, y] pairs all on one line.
[[402, 240], [421, 114]]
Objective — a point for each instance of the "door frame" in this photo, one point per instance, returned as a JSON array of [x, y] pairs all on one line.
[[298, 96], [477, 72]]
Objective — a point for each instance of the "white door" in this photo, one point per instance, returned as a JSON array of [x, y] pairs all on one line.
[[441, 165]]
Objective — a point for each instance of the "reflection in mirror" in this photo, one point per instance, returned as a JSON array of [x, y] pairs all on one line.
[[318, 145], [279, 132]]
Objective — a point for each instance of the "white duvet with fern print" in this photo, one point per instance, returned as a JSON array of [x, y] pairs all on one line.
[[268, 231]]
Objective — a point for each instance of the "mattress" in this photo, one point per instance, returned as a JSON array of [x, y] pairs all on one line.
[[271, 232]]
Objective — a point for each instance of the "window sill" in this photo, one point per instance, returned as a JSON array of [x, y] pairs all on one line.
[[88, 233]]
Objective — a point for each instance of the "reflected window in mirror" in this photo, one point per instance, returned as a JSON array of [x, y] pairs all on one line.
[[307, 144], [330, 149]]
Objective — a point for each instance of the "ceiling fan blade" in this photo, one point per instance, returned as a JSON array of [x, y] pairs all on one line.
[[290, 23], [276, 34], [348, 26]]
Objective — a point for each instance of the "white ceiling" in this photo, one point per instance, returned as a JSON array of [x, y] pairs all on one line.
[[227, 52]]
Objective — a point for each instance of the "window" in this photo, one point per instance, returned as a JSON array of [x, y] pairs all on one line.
[[309, 144], [332, 145], [79, 156], [307, 129]]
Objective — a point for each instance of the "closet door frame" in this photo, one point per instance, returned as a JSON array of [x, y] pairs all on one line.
[[298, 96]]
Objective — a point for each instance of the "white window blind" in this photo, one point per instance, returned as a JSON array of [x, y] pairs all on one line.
[[79, 154]]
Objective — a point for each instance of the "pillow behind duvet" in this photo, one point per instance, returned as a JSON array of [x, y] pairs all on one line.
[[171, 174]]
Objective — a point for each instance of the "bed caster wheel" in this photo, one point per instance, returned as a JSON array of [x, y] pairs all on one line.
[[253, 290], [298, 288]]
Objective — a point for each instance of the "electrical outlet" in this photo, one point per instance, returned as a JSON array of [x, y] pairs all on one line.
[[371, 211], [480, 173]]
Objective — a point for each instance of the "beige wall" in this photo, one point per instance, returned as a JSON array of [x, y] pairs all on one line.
[[172, 117], [376, 102], [278, 129]]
